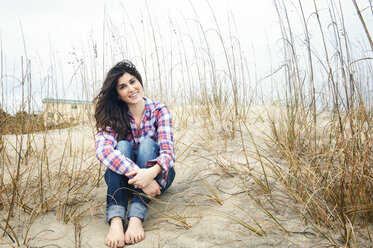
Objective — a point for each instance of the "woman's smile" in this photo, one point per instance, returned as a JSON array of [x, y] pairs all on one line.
[[129, 89], [134, 95]]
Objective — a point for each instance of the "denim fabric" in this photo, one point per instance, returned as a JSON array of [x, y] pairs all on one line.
[[119, 191]]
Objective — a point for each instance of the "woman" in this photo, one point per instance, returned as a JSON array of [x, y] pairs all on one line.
[[135, 143]]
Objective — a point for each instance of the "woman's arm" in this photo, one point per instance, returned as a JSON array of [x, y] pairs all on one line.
[[152, 189], [159, 167], [142, 177], [166, 145], [111, 158]]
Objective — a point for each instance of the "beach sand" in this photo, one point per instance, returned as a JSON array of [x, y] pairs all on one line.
[[240, 214]]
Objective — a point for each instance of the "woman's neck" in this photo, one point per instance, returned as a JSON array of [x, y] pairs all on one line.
[[137, 109]]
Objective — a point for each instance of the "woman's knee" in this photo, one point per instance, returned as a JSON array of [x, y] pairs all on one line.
[[148, 150], [125, 147], [148, 146]]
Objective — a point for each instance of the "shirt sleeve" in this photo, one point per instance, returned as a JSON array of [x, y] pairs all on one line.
[[110, 157], [166, 157]]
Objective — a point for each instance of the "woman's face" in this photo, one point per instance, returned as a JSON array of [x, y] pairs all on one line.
[[129, 89]]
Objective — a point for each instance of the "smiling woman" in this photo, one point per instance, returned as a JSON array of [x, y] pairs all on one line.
[[129, 89], [135, 143]]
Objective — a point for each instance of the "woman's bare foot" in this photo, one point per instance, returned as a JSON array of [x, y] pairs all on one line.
[[135, 231], [115, 236]]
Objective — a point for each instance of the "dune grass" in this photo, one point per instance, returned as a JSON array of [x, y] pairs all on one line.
[[311, 147]]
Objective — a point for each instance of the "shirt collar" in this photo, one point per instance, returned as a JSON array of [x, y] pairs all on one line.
[[148, 108]]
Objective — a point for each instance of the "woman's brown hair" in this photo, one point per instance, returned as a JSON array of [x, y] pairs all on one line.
[[110, 111]]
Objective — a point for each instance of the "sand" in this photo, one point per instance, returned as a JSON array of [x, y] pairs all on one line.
[[188, 214]]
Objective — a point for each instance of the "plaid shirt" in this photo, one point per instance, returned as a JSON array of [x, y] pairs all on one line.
[[156, 124]]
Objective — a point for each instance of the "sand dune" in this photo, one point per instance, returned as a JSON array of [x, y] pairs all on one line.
[[213, 202]]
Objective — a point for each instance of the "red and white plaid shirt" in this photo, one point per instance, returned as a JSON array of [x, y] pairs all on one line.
[[156, 124]]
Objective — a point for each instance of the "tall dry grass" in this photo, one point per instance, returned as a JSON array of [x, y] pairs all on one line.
[[42, 170], [318, 146], [325, 133]]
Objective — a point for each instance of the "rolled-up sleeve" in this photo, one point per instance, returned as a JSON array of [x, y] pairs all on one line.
[[113, 159]]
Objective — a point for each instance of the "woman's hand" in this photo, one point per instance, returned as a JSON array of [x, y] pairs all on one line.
[[142, 177], [152, 189]]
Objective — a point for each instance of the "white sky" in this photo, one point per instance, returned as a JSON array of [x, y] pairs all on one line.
[[68, 23], [62, 26]]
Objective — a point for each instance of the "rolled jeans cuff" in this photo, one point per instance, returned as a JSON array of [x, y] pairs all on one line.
[[138, 210], [115, 211]]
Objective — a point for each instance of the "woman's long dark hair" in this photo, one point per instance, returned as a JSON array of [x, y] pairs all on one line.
[[110, 111]]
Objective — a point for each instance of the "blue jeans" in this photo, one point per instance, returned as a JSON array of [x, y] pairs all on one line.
[[119, 191]]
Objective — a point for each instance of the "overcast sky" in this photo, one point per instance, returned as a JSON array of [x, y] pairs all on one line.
[[69, 23], [38, 27]]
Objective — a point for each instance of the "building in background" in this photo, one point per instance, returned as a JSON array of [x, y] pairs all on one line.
[[57, 111]]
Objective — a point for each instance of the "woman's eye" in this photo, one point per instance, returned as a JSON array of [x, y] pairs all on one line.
[[132, 82]]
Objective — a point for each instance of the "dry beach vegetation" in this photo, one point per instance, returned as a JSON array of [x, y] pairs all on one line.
[[296, 171]]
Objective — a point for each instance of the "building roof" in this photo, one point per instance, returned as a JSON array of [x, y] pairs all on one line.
[[65, 100]]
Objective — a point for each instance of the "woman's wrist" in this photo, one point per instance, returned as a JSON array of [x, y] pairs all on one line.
[[156, 169]]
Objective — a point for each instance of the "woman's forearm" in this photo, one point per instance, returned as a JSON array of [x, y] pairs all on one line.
[[156, 169]]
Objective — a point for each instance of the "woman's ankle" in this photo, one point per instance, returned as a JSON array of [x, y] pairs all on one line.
[[116, 220]]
